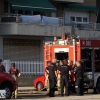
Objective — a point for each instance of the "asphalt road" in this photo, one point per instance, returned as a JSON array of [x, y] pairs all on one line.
[[42, 96]]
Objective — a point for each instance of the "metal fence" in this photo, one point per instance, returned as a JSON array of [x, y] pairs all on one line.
[[26, 67]]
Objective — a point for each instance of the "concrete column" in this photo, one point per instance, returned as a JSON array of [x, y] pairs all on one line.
[[1, 47], [9, 12], [1, 7], [92, 17], [41, 51]]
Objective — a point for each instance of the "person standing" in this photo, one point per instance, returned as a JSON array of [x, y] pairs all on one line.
[[15, 73], [52, 71], [66, 63], [58, 79], [64, 71], [79, 84], [47, 78], [2, 68]]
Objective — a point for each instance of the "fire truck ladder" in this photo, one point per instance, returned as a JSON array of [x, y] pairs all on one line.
[[48, 52]]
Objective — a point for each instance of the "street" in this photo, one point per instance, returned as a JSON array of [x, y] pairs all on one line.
[[42, 96]]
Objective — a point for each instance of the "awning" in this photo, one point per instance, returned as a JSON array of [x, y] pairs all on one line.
[[82, 7], [33, 5]]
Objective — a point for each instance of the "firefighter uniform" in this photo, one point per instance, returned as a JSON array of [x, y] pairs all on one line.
[[52, 79], [64, 70], [14, 72], [79, 84]]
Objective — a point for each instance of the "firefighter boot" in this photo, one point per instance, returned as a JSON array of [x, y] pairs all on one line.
[[16, 94], [59, 90], [47, 92]]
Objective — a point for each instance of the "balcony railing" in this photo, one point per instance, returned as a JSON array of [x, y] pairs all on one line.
[[85, 26], [36, 19], [44, 20]]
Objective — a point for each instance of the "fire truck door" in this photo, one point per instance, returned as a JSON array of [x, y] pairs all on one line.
[[61, 53]]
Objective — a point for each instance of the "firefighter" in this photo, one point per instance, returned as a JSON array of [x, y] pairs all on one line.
[[66, 63], [52, 71], [47, 78], [58, 79], [79, 84], [2, 68], [64, 71], [15, 73]]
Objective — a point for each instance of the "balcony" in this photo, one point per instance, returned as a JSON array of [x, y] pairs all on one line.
[[73, 1], [32, 25]]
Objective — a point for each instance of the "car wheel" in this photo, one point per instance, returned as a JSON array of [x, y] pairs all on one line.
[[98, 85], [39, 86], [8, 90]]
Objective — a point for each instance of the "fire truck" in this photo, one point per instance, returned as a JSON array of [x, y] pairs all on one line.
[[74, 49]]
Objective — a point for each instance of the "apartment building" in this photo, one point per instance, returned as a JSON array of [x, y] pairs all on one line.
[[78, 11], [24, 41]]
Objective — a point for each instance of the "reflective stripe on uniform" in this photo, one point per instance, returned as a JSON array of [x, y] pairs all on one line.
[[76, 86]]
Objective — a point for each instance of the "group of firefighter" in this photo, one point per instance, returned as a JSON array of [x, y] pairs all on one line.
[[14, 72], [59, 76]]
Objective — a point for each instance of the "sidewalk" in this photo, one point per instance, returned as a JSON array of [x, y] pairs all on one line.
[[26, 88]]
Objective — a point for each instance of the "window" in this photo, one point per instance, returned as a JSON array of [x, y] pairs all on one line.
[[20, 11], [72, 18], [27, 12], [79, 19], [85, 19]]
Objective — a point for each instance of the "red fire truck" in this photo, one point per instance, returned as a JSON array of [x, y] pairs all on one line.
[[87, 50]]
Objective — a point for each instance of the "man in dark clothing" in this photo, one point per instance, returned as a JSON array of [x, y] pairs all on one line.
[[2, 68], [79, 84], [47, 78], [64, 71], [52, 71]]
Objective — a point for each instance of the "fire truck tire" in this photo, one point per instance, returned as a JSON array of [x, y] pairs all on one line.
[[39, 86], [98, 85]]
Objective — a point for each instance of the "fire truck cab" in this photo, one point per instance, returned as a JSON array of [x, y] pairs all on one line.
[[74, 49]]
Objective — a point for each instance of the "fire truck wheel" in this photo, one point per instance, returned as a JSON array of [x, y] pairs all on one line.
[[8, 90], [39, 86], [98, 85]]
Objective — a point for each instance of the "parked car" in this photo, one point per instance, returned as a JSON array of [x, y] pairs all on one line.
[[8, 83]]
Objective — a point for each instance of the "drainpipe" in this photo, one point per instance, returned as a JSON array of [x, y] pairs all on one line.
[[74, 50], [97, 17], [64, 17]]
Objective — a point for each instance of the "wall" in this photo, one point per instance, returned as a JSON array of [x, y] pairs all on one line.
[[59, 8], [92, 15], [1, 48], [75, 13], [32, 29], [98, 5], [89, 2]]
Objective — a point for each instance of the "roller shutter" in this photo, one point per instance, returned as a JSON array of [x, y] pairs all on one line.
[[21, 49]]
